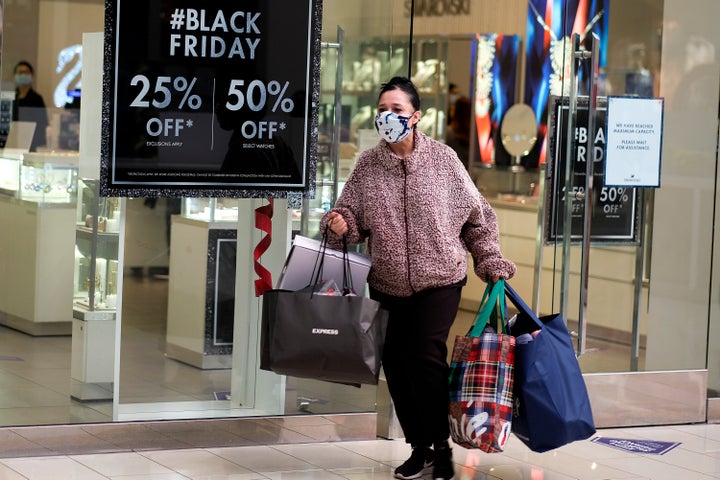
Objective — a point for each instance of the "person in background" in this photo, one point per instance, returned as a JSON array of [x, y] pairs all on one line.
[[458, 133], [413, 201], [29, 105], [453, 95]]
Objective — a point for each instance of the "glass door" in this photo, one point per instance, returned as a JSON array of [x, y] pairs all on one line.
[[631, 269], [174, 360]]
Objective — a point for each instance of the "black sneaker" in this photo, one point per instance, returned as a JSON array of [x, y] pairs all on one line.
[[419, 462], [443, 469]]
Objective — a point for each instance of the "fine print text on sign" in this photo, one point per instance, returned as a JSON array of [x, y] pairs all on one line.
[[210, 98], [634, 141]]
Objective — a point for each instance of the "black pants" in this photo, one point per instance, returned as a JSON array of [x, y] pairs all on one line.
[[415, 360]]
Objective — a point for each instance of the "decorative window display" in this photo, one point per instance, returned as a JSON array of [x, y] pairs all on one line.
[[495, 58], [551, 24]]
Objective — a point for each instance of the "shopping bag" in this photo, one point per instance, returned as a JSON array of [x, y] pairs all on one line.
[[481, 379], [302, 258], [333, 338], [310, 334], [552, 407]]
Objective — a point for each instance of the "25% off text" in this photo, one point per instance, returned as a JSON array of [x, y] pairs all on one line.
[[254, 96]]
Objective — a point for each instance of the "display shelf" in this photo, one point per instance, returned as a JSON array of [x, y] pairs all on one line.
[[430, 78], [96, 248], [91, 368], [97, 239], [365, 66]]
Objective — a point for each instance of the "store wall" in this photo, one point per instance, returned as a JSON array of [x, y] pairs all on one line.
[[61, 25], [485, 16], [37, 31], [359, 18], [20, 37]]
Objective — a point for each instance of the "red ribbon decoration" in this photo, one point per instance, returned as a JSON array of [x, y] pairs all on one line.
[[263, 221]]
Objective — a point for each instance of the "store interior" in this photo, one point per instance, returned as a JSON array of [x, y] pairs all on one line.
[[35, 372]]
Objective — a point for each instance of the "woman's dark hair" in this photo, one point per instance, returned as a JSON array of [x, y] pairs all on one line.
[[26, 64], [404, 84]]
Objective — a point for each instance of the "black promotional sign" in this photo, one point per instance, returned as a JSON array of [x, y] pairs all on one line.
[[210, 98], [615, 210]]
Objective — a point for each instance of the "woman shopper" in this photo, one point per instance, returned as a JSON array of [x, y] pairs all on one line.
[[415, 203]]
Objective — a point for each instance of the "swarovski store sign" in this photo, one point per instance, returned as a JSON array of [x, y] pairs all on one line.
[[210, 98]]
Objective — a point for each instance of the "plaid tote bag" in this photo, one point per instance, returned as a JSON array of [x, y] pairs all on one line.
[[481, 379]]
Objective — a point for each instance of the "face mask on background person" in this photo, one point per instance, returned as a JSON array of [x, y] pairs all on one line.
[[393, 128], [23, 79]]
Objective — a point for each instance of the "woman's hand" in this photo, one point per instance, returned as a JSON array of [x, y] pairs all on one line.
[[337, 224]]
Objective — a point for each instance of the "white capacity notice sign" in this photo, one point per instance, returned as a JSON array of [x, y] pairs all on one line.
[[634, 141]]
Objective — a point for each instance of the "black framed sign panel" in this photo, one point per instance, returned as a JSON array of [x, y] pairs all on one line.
[[616, 211], [211, 98]]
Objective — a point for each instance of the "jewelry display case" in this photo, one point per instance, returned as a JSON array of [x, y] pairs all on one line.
[[97, 226], [40, 205], [96, 249], [10, 166], [49, 177]]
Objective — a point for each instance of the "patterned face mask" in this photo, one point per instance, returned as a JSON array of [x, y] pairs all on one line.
[[393, 128]]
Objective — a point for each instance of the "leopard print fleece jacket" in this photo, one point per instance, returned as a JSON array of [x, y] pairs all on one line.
[[420, 215]]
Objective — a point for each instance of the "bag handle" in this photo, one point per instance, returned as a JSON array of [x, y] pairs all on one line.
[[348, 286], [316, 276], [319, 261], [492, 306], [520, 304]]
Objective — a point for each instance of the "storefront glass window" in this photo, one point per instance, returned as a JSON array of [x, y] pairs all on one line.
[[70, 261]]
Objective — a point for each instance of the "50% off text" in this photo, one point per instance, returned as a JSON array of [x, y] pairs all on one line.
[[254, 96]]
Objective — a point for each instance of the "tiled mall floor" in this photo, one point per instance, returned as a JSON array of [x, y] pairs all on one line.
[[696, 456]]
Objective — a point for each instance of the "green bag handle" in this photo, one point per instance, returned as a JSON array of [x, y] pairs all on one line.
[[492, 308]]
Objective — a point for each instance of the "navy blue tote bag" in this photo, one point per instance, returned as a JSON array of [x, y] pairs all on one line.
[[551, 407]]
